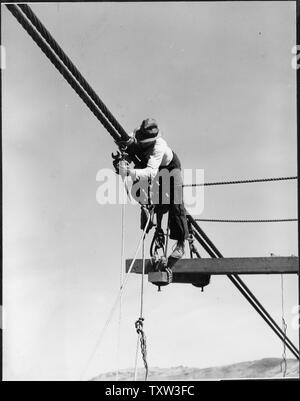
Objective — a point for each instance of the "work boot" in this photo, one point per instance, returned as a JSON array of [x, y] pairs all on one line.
[[178, 251]]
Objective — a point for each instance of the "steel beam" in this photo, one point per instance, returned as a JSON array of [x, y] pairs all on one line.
[[221, 266]]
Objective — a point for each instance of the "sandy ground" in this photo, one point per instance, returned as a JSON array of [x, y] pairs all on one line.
[[264, 368]]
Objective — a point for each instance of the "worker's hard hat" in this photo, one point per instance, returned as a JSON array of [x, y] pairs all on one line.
[[148, 131]]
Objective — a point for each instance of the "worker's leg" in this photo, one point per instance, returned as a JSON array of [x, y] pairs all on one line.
[[178, 221], [140, 192]]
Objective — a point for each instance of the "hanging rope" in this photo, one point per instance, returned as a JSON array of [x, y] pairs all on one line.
[[245, 221], [241, 181], [135, 373], [116, 303], [140, 323], [284, 329], [139, 328], [122, 269]]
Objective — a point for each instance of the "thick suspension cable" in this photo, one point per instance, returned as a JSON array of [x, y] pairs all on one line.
[[72, 68], [214, 252], [241, 286], [62, 69], [249, 296], [111, 125]]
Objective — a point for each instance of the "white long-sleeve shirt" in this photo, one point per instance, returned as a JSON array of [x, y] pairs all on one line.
[[159, 156]]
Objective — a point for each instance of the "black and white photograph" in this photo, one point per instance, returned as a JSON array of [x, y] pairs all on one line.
[[149, 193]]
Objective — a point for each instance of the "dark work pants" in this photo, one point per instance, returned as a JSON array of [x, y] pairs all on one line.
[[171, 199], [166, 194]]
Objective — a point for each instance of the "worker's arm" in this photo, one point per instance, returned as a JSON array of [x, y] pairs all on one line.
[[153, 165]]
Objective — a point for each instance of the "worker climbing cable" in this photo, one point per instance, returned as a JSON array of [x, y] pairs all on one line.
[[157, 175], [151, 156]]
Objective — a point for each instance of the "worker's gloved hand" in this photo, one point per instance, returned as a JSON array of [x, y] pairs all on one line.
[[124, 169], [120, 159]]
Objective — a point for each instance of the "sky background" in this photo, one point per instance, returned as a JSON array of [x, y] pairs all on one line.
[[218, 79]]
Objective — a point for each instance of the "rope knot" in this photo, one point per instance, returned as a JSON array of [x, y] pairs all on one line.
[[139, 324]]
